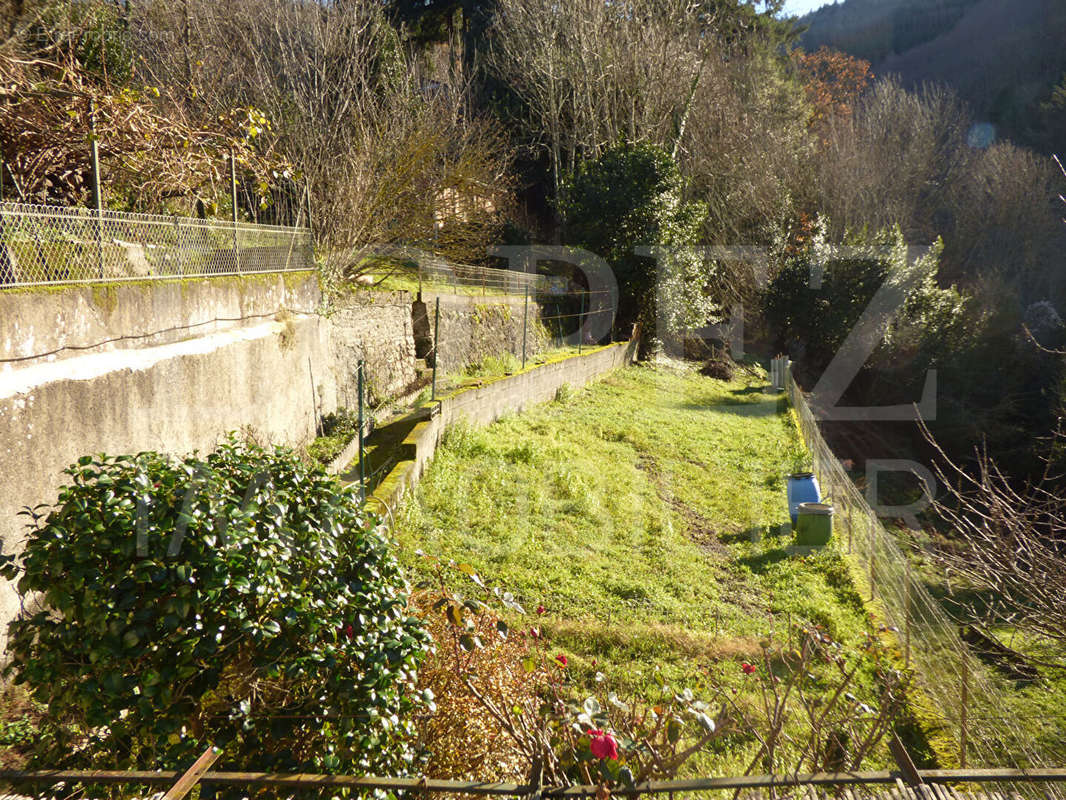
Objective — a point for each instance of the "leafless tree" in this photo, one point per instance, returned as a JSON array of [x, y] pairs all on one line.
[[376, 140], [663, 71], [905, 157], [1006, 541], [591, 72], [895, 160]]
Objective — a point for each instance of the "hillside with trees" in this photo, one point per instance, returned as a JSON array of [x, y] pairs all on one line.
[[1005, 60]]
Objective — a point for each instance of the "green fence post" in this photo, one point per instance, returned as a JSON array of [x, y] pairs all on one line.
[[525, 326], [362, 463], [907, 613], [580, 323], [964, 711], [436, 348], [873, 559]]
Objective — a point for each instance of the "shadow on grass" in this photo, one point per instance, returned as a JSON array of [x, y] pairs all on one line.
[[741, 406], [763, 561]]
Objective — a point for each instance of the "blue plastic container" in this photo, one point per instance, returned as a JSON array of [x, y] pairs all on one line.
[[802, 488]]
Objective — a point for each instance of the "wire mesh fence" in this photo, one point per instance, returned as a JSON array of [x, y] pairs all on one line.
[[964, 696], [432, 273], [487, 279], [50, 244]]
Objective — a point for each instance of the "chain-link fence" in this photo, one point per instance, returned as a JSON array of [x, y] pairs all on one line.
[[962, 693], [429, 272], [49, 244], [487, 279]]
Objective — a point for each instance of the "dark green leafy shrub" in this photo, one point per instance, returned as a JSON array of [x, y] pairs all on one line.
[[244, 600], [817, 297], [338, 429], [633, 196]]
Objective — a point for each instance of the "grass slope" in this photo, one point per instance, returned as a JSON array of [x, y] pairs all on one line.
[[643, 513]]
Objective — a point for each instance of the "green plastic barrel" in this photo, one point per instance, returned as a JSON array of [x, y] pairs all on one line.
[[814, 524]]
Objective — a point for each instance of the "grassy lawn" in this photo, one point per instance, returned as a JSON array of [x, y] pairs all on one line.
[[643, 513]]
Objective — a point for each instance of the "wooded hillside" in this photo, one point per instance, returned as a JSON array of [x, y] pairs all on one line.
[[1004, 58]]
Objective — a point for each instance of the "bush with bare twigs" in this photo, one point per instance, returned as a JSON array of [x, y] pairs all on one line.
[[508, 706], [154, 155]]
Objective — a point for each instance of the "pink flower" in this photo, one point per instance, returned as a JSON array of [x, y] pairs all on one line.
[[749, 669], [534, 632], [541, 610], [561, 660], [603, 745]]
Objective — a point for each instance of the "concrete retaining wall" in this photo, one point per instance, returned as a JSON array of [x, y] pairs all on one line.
[[174, 365], [53, 322], [484, 404]]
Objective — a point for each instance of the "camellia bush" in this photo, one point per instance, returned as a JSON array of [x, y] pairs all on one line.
[[244, 600]]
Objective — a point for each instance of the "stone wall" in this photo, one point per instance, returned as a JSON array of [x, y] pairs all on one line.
[[393, 332], [376, 327], [472, 328]]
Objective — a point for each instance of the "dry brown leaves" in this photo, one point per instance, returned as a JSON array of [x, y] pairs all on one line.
[[151, 150], [463, 739]]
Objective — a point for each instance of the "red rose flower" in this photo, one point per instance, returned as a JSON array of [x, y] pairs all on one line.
[[603, 745], [749, 669]]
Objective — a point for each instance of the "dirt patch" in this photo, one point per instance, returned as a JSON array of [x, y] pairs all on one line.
[[700, 529], [721, 368]]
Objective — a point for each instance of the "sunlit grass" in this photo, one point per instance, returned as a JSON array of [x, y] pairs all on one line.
[[644, 513]]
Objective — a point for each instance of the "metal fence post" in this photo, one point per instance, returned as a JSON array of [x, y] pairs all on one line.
[[436, 348], [233, 200], [525, 326], [581, 323], [178, 246], [851, 518], [1, 176], [873, 560], [851, 532], [362, 463], [98, 197], [907, 613], [964, 711]]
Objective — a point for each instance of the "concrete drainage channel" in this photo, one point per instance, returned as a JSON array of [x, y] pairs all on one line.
[[399, 451]]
